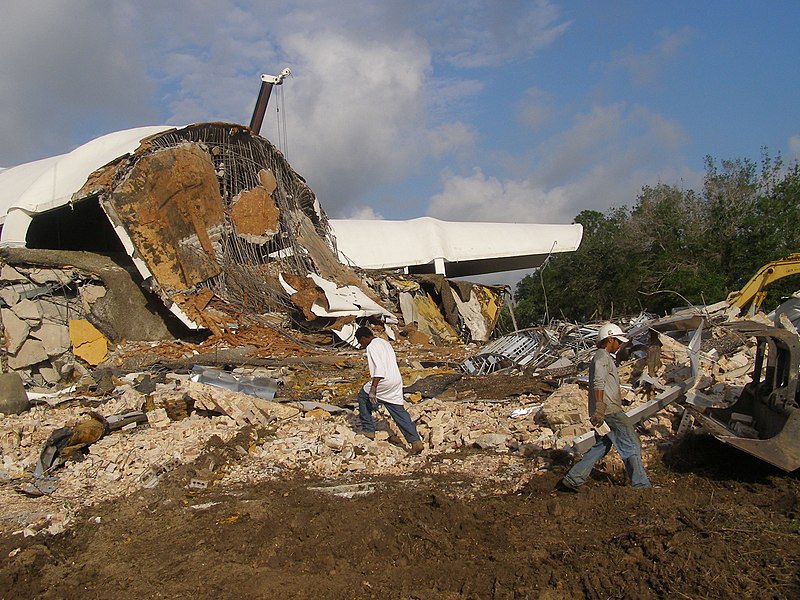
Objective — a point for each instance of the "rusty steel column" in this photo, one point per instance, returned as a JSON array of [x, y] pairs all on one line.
[[261, 107]]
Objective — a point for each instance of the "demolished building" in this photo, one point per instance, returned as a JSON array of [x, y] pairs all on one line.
[[210, 222]]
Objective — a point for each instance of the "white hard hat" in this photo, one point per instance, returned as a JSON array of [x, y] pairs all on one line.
[[610, 330]]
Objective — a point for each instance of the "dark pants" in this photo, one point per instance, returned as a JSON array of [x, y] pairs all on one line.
[[398, 412]]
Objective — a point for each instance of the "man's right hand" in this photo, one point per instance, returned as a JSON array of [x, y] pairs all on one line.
[[597, 419]]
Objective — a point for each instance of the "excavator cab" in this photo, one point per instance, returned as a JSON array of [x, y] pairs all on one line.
[[765, 420]]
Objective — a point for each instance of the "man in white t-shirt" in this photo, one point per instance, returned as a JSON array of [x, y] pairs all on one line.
[[385, 387]]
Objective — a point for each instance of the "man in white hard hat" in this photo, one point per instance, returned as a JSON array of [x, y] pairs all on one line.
[[605, 405]]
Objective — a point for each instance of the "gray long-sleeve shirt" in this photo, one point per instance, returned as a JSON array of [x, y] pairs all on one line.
[[603, 376]]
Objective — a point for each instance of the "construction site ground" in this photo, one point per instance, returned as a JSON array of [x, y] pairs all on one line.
[[717, 524], [458, 523]]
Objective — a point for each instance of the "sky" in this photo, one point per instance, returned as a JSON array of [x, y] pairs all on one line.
[[463, 110]]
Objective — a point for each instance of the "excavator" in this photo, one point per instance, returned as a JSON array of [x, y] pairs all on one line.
[[765, 420], [753, 292]]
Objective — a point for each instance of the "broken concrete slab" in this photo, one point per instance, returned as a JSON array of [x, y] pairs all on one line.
[[10, 274], [13, 398], [9, 296], [30, 353], [16, 330], [242, 408], [54, 338], [57, 276], [28, 311]]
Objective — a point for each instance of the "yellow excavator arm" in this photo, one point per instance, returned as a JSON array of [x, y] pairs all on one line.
[[753, 291]]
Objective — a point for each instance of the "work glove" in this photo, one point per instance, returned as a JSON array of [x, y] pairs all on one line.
[[599, 415]]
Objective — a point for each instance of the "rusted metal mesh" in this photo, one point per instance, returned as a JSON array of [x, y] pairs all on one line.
[[249, 271]]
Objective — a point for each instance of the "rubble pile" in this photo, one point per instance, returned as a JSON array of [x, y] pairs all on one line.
[[299, 419], [40, 331]]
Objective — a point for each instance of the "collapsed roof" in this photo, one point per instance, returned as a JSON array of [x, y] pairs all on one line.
[[422, 245], [205, 211]]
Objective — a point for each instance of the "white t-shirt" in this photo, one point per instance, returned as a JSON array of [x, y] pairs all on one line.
[[383, 363]]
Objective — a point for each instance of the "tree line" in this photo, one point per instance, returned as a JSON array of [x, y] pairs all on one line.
[[674, 247]]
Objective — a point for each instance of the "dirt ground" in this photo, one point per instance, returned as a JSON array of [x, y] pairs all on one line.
[[717, 524]]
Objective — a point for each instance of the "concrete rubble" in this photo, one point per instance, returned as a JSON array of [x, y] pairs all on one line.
[[506, 439]]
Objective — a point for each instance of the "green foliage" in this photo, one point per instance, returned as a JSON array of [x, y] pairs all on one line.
[[674, 247]]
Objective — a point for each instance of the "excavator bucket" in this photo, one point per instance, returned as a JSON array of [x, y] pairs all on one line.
[[765, 420]]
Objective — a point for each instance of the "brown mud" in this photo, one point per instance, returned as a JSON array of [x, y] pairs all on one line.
[[718, 524]]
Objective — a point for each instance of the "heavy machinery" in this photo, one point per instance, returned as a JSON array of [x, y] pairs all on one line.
[[753, 294], [765, 420]]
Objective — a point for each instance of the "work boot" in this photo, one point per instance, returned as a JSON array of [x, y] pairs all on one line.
[[417, 447], [566, 487], [368, 434]]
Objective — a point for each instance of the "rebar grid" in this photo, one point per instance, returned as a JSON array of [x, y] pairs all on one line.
[[248, 277]]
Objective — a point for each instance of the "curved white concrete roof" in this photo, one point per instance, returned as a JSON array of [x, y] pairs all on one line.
[[461, 248], [45, 184], [457, 249]]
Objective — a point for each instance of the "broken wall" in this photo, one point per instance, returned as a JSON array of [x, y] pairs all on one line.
[[59, 305]]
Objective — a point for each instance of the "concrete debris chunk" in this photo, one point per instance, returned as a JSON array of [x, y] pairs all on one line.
[[54, 337], [9, 296], [58, 276], [88, 343], [16, 330], [29, 311], [11, 275], [30, 353], [13, 398], [242, 408]]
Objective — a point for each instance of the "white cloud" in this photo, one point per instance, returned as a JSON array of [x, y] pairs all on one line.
[[601, 161], [478, 197], [455, 138], [646, 67]]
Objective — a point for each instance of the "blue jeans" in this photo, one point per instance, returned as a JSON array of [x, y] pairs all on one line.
[[624, 437], [398, 412]]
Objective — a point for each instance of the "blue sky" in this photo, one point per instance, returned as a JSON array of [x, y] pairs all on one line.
[[461, 110]]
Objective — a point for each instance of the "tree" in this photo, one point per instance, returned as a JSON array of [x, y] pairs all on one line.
[[674, 247], [580, 285]]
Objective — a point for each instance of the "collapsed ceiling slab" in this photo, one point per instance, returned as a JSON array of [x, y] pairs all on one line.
[[212, 210]]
